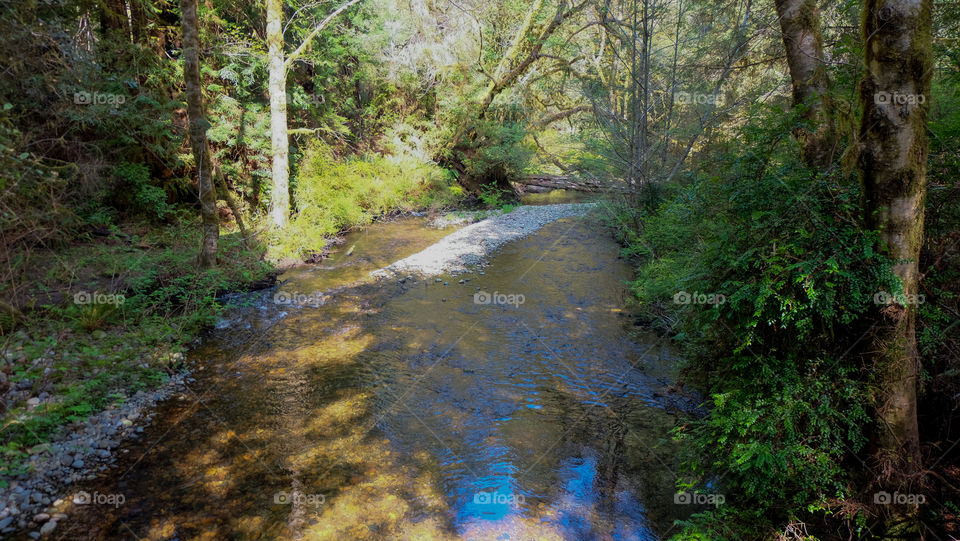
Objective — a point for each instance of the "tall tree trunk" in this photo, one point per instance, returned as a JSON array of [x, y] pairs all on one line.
[[113, 19], [138, 21], [673, 85], [279, 134], [198, 135], [803, 41], [280, 144], [894, 94]]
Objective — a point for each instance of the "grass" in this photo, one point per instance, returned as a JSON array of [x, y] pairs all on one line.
[[89, 356], [336, 195]]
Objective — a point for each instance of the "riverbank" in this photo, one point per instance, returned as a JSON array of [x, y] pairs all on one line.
[[120, 325], [389, 410], [98, 337]]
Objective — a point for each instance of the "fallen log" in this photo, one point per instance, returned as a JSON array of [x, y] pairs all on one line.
[[563, 182]]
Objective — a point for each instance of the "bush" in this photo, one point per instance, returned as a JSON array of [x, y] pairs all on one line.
[[333, 195], [792, 276], [145, 198]]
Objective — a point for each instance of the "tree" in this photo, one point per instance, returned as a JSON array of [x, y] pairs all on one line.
[[894, 95], [526, 49], [278, 66], [198, 135], [803, 41]]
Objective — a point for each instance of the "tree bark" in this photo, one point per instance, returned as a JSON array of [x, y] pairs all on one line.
[[894, 95], [277, 87], [113, 19], [803, 41], [198, 135], [525, 51], [279, 142]]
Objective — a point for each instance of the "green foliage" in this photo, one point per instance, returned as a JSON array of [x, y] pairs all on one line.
[[498, 152], [92, 355], [333, 195], [148, 199], [797, 274], [493, 196]]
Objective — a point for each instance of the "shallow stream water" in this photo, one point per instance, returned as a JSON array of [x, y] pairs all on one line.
[[520, 404]]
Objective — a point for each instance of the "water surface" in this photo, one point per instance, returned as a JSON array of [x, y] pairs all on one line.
[[520, 404]]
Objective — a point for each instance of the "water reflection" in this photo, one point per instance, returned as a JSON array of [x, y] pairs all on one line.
[[410, 411]]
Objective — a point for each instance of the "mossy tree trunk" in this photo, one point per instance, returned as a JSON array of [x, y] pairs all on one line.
[[278, 64], [803, 41], [894, 95], [525, 50], [279, 143], [198, 135]]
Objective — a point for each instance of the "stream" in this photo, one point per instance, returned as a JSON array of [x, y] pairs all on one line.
[[522, 403]]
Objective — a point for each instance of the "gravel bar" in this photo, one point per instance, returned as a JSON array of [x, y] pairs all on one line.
[[471, 245]]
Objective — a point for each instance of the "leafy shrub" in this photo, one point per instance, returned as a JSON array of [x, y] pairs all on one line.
[[784, 248], [146, 198], [498, 153], [332, 195], [32, 193]]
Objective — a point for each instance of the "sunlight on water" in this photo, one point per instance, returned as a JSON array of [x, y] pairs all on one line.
[[419, 410]]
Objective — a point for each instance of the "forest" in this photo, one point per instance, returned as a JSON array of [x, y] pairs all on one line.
[[467, 269]]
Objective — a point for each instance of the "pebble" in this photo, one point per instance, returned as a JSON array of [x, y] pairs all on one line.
[[48, 528], [82, 449]]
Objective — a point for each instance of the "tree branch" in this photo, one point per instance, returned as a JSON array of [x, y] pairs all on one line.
[[316, 30]]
